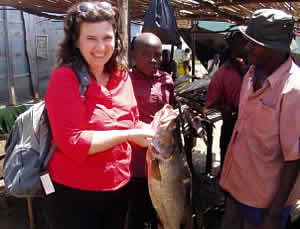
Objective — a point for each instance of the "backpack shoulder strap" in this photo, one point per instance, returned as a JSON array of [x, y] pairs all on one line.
[[49, 155], [82, 74]]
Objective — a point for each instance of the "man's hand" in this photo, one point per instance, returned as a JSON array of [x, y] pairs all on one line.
[[288, 176]]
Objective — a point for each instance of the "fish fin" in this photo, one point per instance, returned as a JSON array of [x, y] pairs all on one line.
[[155, 171]]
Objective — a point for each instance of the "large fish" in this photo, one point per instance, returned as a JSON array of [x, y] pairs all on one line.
[[168, 178]]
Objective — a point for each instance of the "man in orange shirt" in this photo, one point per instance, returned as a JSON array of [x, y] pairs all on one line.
[[262, 162]]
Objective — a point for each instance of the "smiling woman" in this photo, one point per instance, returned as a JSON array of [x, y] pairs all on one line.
[[90, 167], [96, 44]]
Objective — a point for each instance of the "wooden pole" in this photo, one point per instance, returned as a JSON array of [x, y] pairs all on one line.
[[128, 26], [194, 28], [129, 38], [172, 53], [30, 213], [123, 6]]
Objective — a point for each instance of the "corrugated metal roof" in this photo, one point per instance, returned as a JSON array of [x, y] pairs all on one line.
[[237, 11]]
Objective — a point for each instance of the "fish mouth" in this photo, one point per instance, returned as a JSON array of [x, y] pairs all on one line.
[[167, 118], [164, 124]]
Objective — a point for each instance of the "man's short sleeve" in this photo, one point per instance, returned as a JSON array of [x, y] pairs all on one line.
[[290, 125], [215, 89]]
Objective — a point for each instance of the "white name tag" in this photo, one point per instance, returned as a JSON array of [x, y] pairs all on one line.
[[47, 183]]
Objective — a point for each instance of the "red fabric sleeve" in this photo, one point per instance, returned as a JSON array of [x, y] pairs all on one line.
[[67, 114], [171, 89], [215, 89]]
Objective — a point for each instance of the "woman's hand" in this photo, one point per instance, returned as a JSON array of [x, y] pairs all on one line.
[[141, 137]]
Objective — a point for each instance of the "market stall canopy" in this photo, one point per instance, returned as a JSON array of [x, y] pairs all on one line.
[[206, 37], [208, 42], [237, 11]]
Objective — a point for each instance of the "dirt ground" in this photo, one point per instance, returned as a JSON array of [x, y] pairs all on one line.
[[200, 148]]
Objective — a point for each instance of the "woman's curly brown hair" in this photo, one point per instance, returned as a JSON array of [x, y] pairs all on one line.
[[96, 12]]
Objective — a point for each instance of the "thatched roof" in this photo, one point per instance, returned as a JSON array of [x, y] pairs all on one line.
[[237, 11]]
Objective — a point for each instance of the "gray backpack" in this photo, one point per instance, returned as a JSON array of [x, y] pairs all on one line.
[[28, 148]]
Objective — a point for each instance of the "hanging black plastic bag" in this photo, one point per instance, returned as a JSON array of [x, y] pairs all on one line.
[[160, 20]]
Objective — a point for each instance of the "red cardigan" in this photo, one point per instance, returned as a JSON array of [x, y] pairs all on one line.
[[70, 116]]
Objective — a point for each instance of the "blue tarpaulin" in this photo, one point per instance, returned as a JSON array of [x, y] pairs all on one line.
[[160, 20]]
